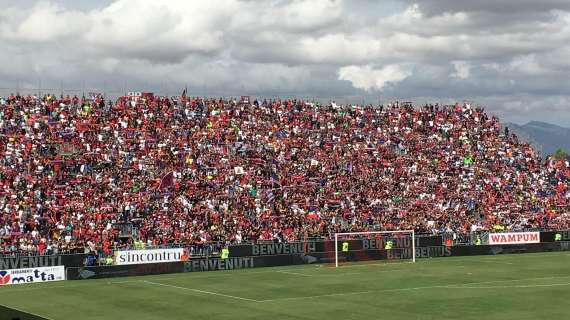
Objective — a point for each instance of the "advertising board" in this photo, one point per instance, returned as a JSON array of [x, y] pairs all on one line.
[[22, 262], [211, 264], [311, 246], [150, 256], [198, 264], [32, 275], [100, 272], [514, 238]]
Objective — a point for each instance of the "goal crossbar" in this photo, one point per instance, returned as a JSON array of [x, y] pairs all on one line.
[[411, 232]]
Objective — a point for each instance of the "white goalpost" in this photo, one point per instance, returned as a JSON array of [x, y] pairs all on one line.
[[376, 245]]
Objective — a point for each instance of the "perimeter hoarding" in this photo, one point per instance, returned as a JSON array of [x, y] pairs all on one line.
[[100, 272], [307, 247], [32, 275], [34, 261], [514, 238], [215, 263], [150, 256]]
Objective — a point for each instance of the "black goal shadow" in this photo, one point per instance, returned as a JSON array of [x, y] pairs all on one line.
[[7, 313]]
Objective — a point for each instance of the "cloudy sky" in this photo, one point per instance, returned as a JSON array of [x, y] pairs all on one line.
[[512, 56]]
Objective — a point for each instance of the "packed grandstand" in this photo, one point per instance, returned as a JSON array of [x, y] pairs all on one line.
[[182, 171]]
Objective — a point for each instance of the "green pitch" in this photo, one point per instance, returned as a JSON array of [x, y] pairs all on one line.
[[523, 286]]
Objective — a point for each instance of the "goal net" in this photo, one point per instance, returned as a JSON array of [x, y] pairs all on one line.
[[381, 246]]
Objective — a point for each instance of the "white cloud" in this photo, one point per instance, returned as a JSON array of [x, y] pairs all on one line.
[[45, 22], [302, 15], [293, 47], [462, 70], [526, 64], [368, 78]]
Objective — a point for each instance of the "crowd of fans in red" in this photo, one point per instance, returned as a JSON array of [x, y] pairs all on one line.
[[189, 170]]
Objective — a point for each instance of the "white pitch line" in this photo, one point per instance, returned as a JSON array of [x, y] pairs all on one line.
[[295, 273], [43, 288], [512, 280], [351, 293], [494, 261], [273, 271], [517, 286], [80, 283], [449, 286], [199, 291], [336, 274], [370, 264], [538, 255], [317, 296]]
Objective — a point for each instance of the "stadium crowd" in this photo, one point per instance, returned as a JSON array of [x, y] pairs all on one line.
[[191, 170]]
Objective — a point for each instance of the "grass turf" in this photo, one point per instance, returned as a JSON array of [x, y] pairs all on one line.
[[523, 286]]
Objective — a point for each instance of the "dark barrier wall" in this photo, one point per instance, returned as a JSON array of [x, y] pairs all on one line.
[[19, 262], [213, 264], [441, 251], [98, 272], [426, 243], [371, 253], [513, 248], [548, 236], [274, 248], [233, 263], [430, 241]]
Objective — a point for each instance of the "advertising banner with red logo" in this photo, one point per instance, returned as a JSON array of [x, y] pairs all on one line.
[[32, 275], [150, 256], [514, 238]]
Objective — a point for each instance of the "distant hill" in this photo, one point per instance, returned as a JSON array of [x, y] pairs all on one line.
[[545, 137]]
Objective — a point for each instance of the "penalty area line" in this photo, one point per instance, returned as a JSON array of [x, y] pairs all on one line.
[[514, 286], [294, 273], [469, 285], [199, 291], [78, 285], [317, 296]]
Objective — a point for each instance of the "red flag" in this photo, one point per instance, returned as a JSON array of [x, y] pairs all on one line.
[[183, 96], [167, 181]]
